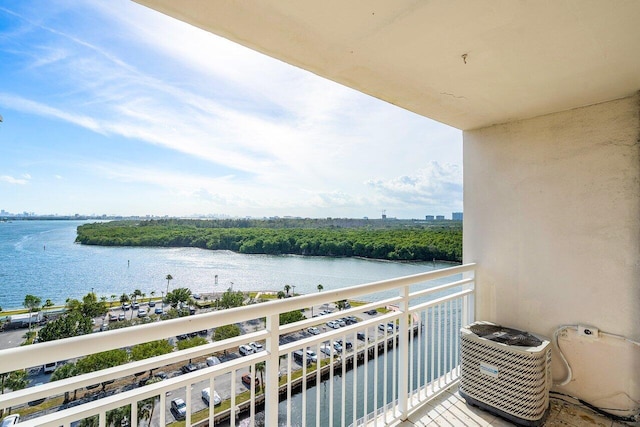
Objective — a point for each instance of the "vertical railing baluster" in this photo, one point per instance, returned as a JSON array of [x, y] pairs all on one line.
[[187, 398], [212, 405], [354, 397], [318, 380], [304, 388], [272, 367], [233, 399], [343, 396], [163, 405], [403, 350], [289, 361]]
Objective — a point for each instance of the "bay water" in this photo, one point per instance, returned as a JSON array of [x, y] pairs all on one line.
[[41, 258]]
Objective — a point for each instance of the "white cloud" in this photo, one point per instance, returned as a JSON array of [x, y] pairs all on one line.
[[432, 187], [11, 180], [275, 136]]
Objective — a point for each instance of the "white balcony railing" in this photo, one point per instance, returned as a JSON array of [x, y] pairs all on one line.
[[386, 372]]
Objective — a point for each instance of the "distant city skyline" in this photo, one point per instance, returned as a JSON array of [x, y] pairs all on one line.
[[455, 216], [115, 109]]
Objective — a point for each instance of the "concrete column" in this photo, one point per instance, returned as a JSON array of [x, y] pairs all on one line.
[[552, 217]]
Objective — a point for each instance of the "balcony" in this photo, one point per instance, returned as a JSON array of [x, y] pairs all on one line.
[[396, 362], [348, 375]]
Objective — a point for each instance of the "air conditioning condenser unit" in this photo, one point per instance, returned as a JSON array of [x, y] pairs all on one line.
[[506, 372]]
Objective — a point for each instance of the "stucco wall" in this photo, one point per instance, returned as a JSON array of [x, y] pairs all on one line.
[[552, 217]]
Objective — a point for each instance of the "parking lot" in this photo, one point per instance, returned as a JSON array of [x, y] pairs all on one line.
[[223, 384]]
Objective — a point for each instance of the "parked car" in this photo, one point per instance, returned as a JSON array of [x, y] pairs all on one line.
[[351, 320], [142, 312], [313, 330], [206, 396], [37, 401], [383, 327], [179, 409], [361, 336], [113, 317], [326, 349], [121, 316], [337, 346], [246, 380], [10, 420], [189, 367], [158, 310], [196, 296], [347, 344], [298, 356], [333, 324], [47, 368], [341, 322], [245, 350], [371, 312], [152, 303], [104, 327], [311, 355], [161, 375], [213, 360], [126, 306], [256, 346]]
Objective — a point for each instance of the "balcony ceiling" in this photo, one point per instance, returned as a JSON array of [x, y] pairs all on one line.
[[465, 63]]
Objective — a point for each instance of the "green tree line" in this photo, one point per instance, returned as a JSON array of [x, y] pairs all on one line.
[[407, 242]]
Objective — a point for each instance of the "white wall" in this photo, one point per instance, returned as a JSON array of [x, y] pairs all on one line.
[[552, 217]]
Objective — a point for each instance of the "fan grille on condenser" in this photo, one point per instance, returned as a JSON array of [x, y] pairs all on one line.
[[504, 335]]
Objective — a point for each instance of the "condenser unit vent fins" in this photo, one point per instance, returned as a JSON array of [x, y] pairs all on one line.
[[511, 380]]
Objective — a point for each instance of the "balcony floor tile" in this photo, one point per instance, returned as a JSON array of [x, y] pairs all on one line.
[[450, 410]]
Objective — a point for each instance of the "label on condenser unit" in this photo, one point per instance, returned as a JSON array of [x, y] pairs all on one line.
[[489, 370]]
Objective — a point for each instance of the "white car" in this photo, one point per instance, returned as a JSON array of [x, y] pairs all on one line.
[[245, 350], [256, 346], [313, 330], [10, 420], [333, 324], [326, 349], [142, 312], [206, 396], [213, 360], [311, 355]]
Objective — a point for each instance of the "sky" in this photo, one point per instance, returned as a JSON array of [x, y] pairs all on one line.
[[113, 108]]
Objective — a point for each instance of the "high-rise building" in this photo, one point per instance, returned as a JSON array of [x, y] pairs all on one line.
[[456, 216]]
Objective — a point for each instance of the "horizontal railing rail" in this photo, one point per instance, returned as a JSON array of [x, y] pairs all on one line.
[[415, 334]]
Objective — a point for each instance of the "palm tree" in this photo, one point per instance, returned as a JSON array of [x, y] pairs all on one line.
[[67, 370], [260, 368], [287, 288], [48, 303], [113, 299], [169, 278], [31, 302], [152, 294], [320, 288], [137, 293]]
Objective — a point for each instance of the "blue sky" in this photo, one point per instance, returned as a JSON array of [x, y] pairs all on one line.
[[112, 108]]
